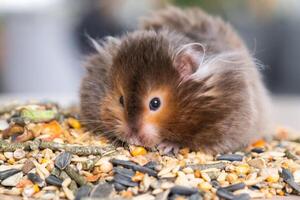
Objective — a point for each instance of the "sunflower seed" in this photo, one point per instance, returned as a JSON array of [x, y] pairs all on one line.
[[12, 180], [124, 180], [230, 157], [215, 184], [135, 167], [102, 190], [195, 196], [234, 187], [75, 176], [151, 165], [82, 192], [119, 187], [289, 179], [36, 179], [182, 190], [224, 194], [123, 171], [7, 173], [286, 175], [53, 180], [258, 150], [242, 197], [63, 160]]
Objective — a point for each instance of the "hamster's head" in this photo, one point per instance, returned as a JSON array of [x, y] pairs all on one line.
[[142, 82], [150, 95]]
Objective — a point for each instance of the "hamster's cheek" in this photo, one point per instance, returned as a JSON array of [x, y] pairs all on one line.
[[112, 116]]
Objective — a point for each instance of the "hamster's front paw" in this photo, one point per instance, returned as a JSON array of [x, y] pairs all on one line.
[[167, 147]]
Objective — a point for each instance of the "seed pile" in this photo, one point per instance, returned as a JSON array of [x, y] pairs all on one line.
[[45, 153]]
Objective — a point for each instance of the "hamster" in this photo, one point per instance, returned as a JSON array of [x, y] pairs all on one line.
[[183, 79]]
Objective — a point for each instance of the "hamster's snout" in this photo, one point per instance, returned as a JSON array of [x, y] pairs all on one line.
[[145, 135]]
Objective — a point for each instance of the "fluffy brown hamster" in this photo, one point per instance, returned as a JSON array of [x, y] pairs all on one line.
[[184, 79]]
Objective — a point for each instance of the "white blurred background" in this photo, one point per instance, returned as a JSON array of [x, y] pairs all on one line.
[[43, 43]]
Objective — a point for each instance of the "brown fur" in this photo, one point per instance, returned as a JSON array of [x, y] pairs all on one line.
[[219, 108]]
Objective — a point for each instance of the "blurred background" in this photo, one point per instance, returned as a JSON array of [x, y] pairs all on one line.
[[43, 43]]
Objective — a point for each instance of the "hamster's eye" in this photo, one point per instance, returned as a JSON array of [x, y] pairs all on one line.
[[154, 104], [121, 100]]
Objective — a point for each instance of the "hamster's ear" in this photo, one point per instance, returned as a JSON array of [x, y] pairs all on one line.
[[188, 59], [101, 45], [106, 49]]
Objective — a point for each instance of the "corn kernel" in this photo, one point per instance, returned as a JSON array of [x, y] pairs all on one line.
[[231, 178], [138, 177], [205, 186], [281, 193], [184, 151], [242, 169], [197, 173], [43, 161], [137, 151], [11, 161], [74, 123], [285, 165], [259, 143], [273, 178], [36, 188], [126, 194]]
